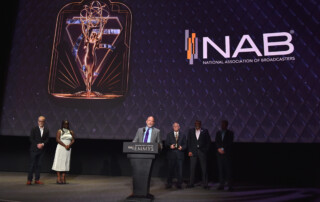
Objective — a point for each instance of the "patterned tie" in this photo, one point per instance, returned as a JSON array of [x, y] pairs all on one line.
[[146, 136]]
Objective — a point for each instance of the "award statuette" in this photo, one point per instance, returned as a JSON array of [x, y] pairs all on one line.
[[90, 55]]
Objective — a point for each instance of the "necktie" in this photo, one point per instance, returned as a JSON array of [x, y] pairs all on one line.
[[146, 136], [176, 134]]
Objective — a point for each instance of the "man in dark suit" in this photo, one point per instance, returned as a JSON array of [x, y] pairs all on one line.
[[224, 141], [176, 143], [39, 138], [198, 145]]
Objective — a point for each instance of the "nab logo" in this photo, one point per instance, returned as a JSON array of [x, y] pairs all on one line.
[[191, 46]]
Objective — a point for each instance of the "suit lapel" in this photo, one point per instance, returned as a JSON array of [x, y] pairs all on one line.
[[142, 134], [152, 135], [47, 132], [44, 132], [225, 136], [180, 138], [39, 132], [200, 133]]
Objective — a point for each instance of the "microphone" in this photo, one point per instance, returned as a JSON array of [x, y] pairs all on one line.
[[144, 130]]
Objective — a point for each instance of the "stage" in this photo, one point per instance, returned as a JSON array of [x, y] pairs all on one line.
[[106, 188]]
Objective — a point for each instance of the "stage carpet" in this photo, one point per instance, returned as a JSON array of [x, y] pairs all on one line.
[[105, 188]]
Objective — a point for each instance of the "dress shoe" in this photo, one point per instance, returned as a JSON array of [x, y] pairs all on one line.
[[38, 182], [29, 182]]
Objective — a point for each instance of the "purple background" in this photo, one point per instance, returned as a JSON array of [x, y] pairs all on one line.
[[264, 102]]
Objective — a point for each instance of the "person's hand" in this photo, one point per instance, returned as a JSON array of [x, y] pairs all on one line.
[[172, 146], [221, 151], [190, 154], [67, 147], [180, 148], [40, 146]]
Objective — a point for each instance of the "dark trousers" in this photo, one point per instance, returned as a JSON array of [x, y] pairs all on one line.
[[35, 165], [202, 157], [175, 166], [225, 169]]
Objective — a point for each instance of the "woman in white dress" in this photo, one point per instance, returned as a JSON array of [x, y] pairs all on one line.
[[61, 163]]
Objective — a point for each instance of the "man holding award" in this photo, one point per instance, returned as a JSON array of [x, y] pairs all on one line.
[[176, 143]]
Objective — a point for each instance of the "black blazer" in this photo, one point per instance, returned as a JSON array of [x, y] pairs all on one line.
[[227, 142], [204, 141], [35, 138], [175, 153]]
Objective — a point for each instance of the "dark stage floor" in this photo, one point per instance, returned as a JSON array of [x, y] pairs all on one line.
[[105, 188]]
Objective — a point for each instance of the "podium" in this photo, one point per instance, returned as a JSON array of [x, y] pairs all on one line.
[[141, 156]]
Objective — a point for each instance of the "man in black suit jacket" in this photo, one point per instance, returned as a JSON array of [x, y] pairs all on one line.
[[39, 138], [224, 141], [176, 143], [198, 145]]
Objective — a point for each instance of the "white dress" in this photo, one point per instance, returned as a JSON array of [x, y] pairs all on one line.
[[62, 157]]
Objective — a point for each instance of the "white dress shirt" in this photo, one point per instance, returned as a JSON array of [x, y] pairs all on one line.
[[198, 133], [41, 130], [176, 134]]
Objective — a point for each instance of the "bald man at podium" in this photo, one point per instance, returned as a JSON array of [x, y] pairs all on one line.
[[148, 134]]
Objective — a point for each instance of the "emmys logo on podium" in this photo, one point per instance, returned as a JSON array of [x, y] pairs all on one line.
[[90, 55], [141, 148]]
